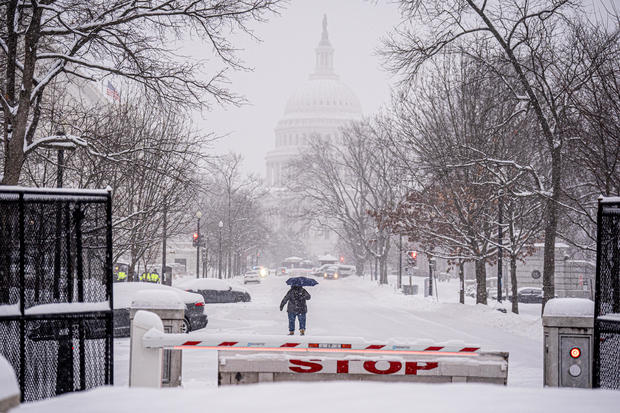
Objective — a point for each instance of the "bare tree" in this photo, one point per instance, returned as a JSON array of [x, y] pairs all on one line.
[[40, 41], [531, 46], [339, 182], [234, 199]]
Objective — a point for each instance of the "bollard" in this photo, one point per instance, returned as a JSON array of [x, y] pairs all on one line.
[[170, 310], [145, 364], [568, 325], [9, 390]]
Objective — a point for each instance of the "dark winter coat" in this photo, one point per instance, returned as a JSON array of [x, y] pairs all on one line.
[[296, 298]]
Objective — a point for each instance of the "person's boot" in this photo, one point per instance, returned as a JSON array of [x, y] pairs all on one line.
[[290, 333], [302, 332]]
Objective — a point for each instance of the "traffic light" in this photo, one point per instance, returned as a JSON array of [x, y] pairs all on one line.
[[412, 258], [195, 239], [341, 259]]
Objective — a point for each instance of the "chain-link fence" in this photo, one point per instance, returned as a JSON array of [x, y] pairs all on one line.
[[56, 289], [606, 367]]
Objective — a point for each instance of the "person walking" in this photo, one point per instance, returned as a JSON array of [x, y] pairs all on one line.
[[296, 298]]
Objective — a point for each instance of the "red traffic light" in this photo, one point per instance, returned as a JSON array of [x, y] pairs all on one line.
[[341, 258], [413, 254], [575, 352], [195, 236]]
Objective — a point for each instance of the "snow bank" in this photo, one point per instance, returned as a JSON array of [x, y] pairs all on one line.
[[9, 310], [56, 308], [8, 382], [359, 397], [157, 300], [610, 317], [574, 307], [148, 320]]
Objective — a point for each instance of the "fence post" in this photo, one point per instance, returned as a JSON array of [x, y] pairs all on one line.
[[145, 364]]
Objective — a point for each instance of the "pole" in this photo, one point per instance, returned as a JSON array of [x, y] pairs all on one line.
[[399, 283], [164, 274], [499, 249], [61, 167], [462, 282], [430, 276], [219, 259], [198, 250]]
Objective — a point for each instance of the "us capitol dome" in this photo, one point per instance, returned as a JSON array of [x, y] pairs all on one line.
[[320, 107]]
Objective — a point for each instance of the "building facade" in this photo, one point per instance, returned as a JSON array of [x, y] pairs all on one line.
[[318, 109]]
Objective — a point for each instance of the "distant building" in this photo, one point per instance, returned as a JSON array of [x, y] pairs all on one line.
[[318, 108]]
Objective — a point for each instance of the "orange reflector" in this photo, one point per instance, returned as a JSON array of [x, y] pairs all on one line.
[[313, 345], [575, 352], [345, 346]]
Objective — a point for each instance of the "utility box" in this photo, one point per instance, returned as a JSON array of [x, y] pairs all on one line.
[[568, 325], [410, 289], [171, 310]]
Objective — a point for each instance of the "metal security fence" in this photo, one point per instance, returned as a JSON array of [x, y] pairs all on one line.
[[606, 369], [56, 289]]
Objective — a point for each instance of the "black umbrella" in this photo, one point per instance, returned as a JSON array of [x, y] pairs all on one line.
[[301, 282]]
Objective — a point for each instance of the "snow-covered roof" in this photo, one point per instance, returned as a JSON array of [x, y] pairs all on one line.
[[574, 307], [62, 191], [327, 257], [610, 199]]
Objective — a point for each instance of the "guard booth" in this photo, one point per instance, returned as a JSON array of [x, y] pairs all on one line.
[[606, 363], [56, 288]]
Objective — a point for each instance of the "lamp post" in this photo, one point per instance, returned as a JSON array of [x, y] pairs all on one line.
[[500, 237], [219, 259], [198, 215]]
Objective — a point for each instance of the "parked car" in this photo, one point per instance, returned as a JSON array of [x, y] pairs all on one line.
[[345, 270], [529, 295], [252, 276], [214, 290], [195, 317]]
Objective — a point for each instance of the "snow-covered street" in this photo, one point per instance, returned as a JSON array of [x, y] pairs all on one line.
[[355, 307]]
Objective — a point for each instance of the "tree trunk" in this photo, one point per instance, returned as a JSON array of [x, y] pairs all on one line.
[[513, 284], [481, 282], [359, 267], [383, 270], [462, 282], [551, 225]]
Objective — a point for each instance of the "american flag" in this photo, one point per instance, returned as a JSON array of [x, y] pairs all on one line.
[[110, 91]]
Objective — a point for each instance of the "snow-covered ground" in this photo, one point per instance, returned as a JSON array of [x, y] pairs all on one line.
[[357, 307], [353, 307], [339, 397]]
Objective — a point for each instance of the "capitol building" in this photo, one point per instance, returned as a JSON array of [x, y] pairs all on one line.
[[319, 108]]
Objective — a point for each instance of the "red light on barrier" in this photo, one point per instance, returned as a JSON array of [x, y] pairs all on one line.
[[575, 352]]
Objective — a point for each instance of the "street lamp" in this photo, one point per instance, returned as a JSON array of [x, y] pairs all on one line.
[[198, 215], [500, 237], [219, 260]]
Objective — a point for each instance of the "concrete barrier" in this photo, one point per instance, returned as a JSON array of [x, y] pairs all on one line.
[[257, 367], [257, 359]]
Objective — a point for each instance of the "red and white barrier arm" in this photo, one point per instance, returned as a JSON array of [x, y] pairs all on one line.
[[209, 341]]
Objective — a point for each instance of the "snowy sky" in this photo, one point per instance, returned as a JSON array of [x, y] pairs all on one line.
[[284, 59]]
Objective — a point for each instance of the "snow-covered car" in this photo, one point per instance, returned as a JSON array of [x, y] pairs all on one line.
[[252, 276], [345, 270], [529, 295], [124, 293], [214, 290]]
